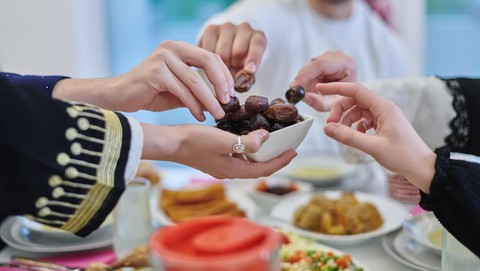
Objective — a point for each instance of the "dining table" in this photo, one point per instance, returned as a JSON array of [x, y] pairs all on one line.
[[370, 253]]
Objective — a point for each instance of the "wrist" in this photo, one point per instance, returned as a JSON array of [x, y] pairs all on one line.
[[422, 176], [160, 142]]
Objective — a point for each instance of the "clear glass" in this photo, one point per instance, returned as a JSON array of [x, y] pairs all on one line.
[[456, 256], [132, 218]]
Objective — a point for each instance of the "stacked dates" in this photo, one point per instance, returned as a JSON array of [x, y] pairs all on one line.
[[258, 113]]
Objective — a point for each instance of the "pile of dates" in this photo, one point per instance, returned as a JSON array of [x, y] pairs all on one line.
[[258, 113]]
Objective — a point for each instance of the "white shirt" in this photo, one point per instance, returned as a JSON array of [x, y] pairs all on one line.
[[295, 33]]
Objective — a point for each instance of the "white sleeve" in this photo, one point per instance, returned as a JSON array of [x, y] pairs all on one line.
[[427, 103], [135, 152]]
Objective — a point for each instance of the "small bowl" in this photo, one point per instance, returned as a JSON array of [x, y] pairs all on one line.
[[267, 200], [425, 230], [282, 140]]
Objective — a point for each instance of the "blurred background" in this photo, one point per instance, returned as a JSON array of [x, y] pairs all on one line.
[[97, 38]]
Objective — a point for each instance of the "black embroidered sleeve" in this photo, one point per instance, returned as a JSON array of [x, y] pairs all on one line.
[[62, 164], [454, 196]]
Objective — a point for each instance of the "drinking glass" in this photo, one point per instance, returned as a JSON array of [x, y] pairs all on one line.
[[132, 218], [456, 256]]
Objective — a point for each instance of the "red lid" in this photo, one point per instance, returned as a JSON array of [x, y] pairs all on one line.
[[216, 243]]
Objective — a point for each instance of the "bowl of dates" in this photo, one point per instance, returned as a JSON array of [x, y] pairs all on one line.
[[287, 127]]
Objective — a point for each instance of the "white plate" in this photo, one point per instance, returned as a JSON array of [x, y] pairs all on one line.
[[393, 214], [14, 233], [239, 197], [318, 170], [423, 229], [388, 243]]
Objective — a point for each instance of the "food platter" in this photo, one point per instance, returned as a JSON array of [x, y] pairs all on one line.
[[392, 212]]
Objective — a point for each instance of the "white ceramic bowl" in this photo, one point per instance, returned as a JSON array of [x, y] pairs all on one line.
[[267, 200], [282, 140], [425, 230]]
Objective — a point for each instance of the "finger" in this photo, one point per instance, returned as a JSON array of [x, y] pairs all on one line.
[[254, 140], [364, 125], [308, 73], [338, 108], [195, 87], [350, 137], [176, 87], [215, 70], [363, 97], [320, 102], [240, 46], [258, 44], [355, 114], [225, 42], [209, 38]]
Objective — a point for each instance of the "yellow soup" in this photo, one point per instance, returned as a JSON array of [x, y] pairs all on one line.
[[311, 172], [435, 237]]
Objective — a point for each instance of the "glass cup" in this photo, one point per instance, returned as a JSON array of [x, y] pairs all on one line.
[[132, 218], [456, 256]]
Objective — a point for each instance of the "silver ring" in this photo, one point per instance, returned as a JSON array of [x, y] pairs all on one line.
[[239, 147]]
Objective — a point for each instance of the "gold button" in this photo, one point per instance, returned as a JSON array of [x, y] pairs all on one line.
[[72, 112], [54, 180], [58, 192], [63, 159], [41, 202], [71, 133], [76, 148], [71, 172], [83, 124], [44, 212]]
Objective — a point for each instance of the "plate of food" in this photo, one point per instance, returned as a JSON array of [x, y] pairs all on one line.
[[172, 206], [340, 218], [300, 253], [318, 170]]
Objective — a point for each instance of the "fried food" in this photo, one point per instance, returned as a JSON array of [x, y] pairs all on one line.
[[147, 170], [342, 216], [188, 203]]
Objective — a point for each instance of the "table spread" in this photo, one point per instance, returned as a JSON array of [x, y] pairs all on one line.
[[370, 253]]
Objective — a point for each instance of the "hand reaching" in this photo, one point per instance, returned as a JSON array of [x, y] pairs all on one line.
[[332, 66], [240, 46], [395, 144]]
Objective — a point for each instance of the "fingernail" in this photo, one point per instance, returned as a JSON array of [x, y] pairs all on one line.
[[330, 128], [251, 67], [264, 135], [226, 98], [232, 90]]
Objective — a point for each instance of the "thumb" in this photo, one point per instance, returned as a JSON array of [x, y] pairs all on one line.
[[350, 137]]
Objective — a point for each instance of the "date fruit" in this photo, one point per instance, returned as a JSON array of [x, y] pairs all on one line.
[[243, 81], [295, 94], [256, 104]]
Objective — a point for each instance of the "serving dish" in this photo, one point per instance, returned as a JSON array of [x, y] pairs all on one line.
[[392, 213]]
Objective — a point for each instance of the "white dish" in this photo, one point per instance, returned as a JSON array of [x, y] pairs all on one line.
[[14, 233], [390, 242], [318, 170], [392, 212], [426, 230], [267, 200], [242, 200], [282, 140], [415, 252]]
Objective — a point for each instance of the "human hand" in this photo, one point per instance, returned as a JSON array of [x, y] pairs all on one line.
[[208, 149], [165, 80], [240, 46], [395, 144], [332, 66]]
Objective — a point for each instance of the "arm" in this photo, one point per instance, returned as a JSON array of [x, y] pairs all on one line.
[[449, 187], [45, 83]]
